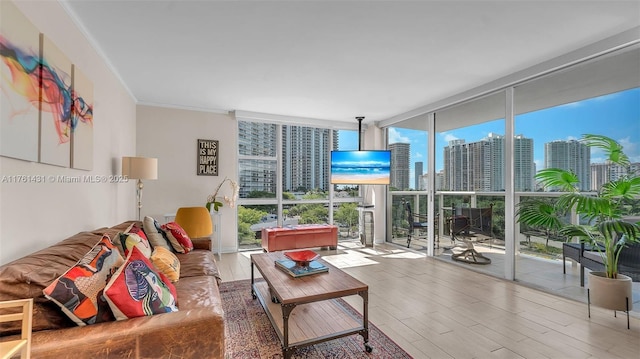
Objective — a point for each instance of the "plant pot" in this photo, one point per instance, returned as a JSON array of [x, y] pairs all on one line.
[[610, 293]]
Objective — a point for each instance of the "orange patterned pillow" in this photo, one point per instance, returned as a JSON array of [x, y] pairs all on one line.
[[167, 263], [79, 292]]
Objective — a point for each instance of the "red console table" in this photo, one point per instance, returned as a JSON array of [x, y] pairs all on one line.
[[300, 236]]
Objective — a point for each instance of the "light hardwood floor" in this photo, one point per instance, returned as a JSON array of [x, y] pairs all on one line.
[[434, 309]]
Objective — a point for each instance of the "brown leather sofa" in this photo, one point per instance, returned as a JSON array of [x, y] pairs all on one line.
[[195, 331], [301, 236]]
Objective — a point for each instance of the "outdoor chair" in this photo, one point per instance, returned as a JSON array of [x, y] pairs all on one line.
[[418, 223]]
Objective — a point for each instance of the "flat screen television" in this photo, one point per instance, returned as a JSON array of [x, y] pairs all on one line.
[[361, 167]]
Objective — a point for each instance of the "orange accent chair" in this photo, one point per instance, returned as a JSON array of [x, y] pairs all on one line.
[[196, 221]]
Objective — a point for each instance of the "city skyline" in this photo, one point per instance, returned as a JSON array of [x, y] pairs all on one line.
[[568, 121]]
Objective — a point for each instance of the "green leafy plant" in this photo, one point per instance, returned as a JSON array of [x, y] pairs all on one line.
[[606, 230]]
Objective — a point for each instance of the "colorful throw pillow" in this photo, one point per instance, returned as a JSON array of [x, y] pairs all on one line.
[[130, 240], [166, 262], [178, 237], [155, 233], [137, 230], [138, 289], [79, 291]]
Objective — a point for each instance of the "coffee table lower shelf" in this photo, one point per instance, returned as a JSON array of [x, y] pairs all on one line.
[[309, 323]]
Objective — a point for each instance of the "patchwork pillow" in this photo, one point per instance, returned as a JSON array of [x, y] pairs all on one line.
[[178, 237], [118, 243], [154, 233], [166, 262], [137, 230], [138, 289], [79, 291], [130, 240]]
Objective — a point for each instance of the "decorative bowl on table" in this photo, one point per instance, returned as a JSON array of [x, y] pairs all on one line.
[[302, 258]]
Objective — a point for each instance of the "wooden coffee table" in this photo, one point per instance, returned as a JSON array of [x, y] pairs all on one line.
[[318, 316]]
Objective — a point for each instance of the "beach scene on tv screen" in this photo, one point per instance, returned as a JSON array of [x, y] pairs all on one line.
[[360, 167]]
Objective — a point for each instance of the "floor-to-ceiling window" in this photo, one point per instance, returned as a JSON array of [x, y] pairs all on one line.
[[599, 96], [408, 186], [284, 180], [488, 150], [470, 162]]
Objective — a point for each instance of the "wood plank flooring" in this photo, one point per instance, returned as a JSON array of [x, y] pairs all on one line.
[[434, 309]]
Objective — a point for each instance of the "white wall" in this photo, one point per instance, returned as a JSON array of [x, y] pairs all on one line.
[[35, 215], [171, 136]]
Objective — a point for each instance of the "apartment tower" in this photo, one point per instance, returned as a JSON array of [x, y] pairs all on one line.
[[305, 157], [572, 156], [479, 166], [400, 165], [418, 176]]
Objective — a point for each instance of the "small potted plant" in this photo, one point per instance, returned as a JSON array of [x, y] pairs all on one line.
[[606, 230], [215, 203]]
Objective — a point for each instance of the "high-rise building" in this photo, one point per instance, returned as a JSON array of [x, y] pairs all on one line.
[[479, 166], [602, 173], [571, 155], [257, 139], [400, 161], [418, 176], [523, 165], [439, 186], [305, 157]]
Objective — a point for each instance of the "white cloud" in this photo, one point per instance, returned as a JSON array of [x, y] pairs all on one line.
[[631, 149], [448, 136], [396, 137], [417, 155]]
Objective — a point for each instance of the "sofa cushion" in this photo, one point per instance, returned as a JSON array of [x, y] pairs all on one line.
[[167, 263], [138, 289], [154, 233], [79, 291], [198, 263], [178, 237]]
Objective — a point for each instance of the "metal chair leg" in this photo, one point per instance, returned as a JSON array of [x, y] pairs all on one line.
[[589, 302]]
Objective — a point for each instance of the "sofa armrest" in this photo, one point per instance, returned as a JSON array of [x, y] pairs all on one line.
[[176, 334], [202, 243], [169, 335]]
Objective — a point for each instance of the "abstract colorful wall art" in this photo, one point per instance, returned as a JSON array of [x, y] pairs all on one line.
[[55, 106], [19, 84], [46, 104], [81, 121]]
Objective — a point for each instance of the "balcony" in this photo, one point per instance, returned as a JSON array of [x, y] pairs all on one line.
[[538, 263]]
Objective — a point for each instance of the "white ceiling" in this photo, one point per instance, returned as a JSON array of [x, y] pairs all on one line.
[[333, 60]]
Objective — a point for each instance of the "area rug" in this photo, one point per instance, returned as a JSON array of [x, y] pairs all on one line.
[[249, 333]]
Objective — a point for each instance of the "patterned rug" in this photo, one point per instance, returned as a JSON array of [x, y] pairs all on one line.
[[249, 333]]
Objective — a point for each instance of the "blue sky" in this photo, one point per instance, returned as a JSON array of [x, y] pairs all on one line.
[[615, 115]]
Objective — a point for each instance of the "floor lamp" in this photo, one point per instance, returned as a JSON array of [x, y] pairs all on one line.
[[140, 168]]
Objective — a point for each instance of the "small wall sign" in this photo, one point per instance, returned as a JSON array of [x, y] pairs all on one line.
[[207, 158]]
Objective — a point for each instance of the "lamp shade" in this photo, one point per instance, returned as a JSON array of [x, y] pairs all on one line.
[[140, 167]]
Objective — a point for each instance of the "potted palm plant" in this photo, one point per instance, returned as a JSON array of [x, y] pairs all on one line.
[[606, 231]]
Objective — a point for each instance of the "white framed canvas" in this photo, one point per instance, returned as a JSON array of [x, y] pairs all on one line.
[[82, 121], [19, 84]]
